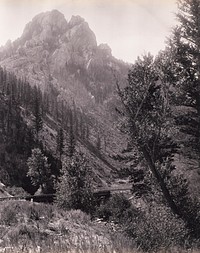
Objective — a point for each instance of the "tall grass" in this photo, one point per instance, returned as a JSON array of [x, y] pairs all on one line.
[[33, 228]]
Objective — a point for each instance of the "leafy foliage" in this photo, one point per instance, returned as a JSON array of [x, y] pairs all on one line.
[[150, 125], [38, 168], [74, 189], [147, 118], [157, 228], [147, 105], [117, 209]]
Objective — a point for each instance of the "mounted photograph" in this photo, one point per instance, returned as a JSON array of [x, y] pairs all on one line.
[[99, 126]]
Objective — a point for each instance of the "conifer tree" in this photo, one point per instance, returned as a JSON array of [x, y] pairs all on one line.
[[37, 121], [185, 46], [150, 123], [39, 171], [71, 140], [74, 190], [60, 142], [147, 119]]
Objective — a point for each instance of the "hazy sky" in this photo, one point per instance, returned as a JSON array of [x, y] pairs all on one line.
[[129, 27]]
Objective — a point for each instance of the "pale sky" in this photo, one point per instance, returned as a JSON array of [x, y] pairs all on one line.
[[130, 27]]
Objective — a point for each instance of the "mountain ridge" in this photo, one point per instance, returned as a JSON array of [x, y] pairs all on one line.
[[63, 59]]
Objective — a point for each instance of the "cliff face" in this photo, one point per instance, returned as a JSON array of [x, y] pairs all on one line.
[[65, 54]]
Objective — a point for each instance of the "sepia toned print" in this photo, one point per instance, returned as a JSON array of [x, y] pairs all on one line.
[[99, 126]]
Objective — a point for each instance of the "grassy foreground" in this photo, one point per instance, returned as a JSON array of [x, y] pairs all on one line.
[[32, 228]]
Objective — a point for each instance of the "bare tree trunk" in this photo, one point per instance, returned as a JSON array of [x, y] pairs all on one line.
[[161, 182]]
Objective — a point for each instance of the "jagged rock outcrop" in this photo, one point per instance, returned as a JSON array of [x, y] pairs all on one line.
[[45, 27], [65, 51]]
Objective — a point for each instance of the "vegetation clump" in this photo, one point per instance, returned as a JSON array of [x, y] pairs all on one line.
[[74, 189]]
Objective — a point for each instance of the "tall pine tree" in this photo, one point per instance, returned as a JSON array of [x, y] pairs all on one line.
[[60, 142], [37, 121], [147, 119], [185, 46]]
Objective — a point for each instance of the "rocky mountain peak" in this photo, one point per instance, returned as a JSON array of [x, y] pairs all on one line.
[[66, 50], [45, 26]]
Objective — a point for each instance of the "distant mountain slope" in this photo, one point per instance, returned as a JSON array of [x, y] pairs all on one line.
[[63, 59]]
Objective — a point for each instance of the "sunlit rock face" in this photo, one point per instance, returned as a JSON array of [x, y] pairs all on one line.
[[64, 54], [45, 27]]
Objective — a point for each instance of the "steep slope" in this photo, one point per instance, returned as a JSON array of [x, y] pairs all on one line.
[[62, 58]]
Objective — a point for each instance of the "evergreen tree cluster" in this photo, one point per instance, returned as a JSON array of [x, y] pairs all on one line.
[[23, 111], [158, 89]]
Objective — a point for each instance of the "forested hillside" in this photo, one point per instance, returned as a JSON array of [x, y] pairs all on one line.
[[32, 119]]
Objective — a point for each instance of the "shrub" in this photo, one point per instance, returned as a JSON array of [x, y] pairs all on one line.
[[151, 229], [117, 209], [40, 211], [157, 228], [9, 214], [22, 211], [79, 217], [16, 191], [22, 233], [74, 189]]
